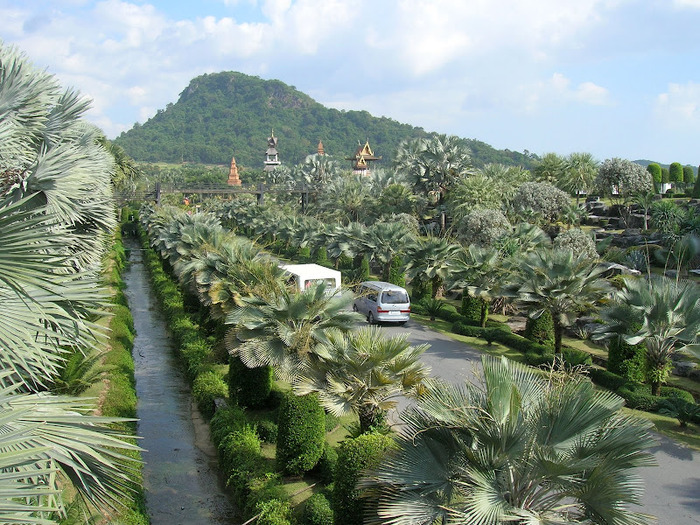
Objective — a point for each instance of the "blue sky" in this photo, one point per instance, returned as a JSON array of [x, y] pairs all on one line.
[[616, 78]]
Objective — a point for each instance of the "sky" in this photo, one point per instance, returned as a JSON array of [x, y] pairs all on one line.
[[615, 78]]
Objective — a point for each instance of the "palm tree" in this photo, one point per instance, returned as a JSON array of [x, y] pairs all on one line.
[[521, 448], [667, 313], [478, 272], [550, 168], [56, 215], [388, 240], [283, 330], [580, 170], [560, 282], [363, 372], [430, 259]]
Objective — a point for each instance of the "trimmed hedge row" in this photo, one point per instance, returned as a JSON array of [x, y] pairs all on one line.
[[120, 397]]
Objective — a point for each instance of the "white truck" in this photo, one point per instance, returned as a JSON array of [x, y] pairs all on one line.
[[308, 275]]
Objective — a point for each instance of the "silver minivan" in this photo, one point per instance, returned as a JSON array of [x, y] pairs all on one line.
[[382, 302]]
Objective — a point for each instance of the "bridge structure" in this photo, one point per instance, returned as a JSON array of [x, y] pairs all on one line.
[[156, 192]]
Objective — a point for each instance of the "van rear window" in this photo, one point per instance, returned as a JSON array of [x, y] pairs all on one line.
[[394, 297]]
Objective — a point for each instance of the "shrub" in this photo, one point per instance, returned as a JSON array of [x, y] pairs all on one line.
[[265, 487], [240, 458], [317, 511], [421, 290], [396, 273], [669, 391], [639, 396], [301, 435], [469, 330], [226, 421], [322, 257], [607, 379], [364, 273], [304, 255], [196, 355], [627, 360], [541, 330], [250, 387], [205, 389], [267, 430], [354, 456], [574, 357], [471, 308], [433, 307], [325, 468], [683, 410], [537, 359], [273, 512]]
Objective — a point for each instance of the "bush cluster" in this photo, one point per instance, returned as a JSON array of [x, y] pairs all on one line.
[[301, 435]]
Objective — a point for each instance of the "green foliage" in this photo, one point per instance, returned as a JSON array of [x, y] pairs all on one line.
[[696, 187], [577, 240], [688, 175], [541, 330], [675, 172], [421, 289], [206, 388], [322, 257], [364, 271], [226, 421], [250, 387], [683, 410], [301, 434], [396, 272], [655, 171], [354, 456], [273, 512], [607, 379], [471, 308], [327, 464], [573, 357], [267, 430], [76, 374], [433, 307], [304, 255], [196, 355], [626, 360], [317, 511], [264, 487], [240, 459]]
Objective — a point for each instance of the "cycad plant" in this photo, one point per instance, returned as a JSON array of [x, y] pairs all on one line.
[[56, 213], [363, 373], [519, 448]]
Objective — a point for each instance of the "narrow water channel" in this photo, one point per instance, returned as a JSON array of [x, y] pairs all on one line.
[[181, 483]]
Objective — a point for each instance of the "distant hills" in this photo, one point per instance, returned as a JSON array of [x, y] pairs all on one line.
[[229, 114]]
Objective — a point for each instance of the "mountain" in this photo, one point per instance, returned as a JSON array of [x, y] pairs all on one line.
[[229, 114]]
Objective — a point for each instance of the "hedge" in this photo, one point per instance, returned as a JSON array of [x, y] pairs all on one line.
[[354, 456], [317, 511], [302, 432], [249, 387], [205, 389]]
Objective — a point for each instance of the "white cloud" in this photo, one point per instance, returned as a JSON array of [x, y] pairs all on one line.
[[686, 3], [680, 105]]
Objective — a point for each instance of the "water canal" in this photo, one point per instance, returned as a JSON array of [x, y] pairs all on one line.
[[181, 482]]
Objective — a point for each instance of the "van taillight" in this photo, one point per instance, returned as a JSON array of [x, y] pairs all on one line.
[[380, 311], [406, 311]]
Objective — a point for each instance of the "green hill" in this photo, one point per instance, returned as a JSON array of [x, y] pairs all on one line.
[[224, 115]]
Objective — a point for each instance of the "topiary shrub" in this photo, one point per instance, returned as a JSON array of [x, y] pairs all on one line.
[[540, 330], [317, 511], [325, 468], [240, 459], [225, 421], [304, 255], [639, 396], [471, 308], [396, 273], [205, 389], [301, 435], [273, 512], [354, 456], [626, 360], [670, 391], [462, 328], [249, 387], [322, 257], [539, 360], [607, 379], [420, 290], [195, 355], [267, 430], [364, 271], [264, 487]]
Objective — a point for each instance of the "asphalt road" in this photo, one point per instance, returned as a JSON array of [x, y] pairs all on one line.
[[671, 489]]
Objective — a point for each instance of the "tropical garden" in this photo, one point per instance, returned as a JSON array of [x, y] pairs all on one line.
[[299, 398]]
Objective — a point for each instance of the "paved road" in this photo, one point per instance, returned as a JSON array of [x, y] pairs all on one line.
[[672, 489]]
